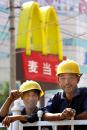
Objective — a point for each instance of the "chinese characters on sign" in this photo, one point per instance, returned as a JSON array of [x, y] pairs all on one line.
[[39, 67], [46, 69], [32, 66]]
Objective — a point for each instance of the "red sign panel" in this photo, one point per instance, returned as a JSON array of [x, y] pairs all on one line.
[[39, 67]]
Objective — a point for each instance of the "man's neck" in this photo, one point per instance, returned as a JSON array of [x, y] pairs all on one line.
[[69, 96], [30, 111]]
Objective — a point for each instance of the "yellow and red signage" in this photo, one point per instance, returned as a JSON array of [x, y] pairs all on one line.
[[39, 67], [39, 37]]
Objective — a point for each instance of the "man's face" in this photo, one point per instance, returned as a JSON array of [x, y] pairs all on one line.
[[30, 99], [68, 82]]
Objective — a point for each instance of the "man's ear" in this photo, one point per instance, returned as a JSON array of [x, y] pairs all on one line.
[[22, 96], [78, 79], [38, 97]]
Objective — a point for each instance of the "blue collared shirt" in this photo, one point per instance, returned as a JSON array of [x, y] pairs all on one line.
[[60, 102]]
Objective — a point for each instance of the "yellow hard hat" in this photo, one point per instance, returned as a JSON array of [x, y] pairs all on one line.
[[68, 66], [31, 85]]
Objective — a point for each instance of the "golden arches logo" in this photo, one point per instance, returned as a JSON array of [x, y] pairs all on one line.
[[38, 30]]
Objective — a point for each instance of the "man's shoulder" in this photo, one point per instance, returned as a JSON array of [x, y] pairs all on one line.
[[83, 90]]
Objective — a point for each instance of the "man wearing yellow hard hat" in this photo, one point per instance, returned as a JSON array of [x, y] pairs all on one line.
[[72, 101], [30, 92]]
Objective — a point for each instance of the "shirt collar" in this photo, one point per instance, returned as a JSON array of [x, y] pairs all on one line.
[[34, 111]]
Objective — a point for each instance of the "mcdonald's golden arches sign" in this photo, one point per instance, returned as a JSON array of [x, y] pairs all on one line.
[[39, 38]]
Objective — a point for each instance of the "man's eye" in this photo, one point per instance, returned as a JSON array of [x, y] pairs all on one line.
[[62, 78]]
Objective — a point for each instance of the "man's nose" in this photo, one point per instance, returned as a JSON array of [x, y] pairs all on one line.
[[67, 80], [30, 98]]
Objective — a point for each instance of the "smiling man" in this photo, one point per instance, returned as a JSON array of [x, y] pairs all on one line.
[[72, 102], [30, 92]]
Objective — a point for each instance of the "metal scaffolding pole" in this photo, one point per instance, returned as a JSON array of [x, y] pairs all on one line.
[[12, 46]]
